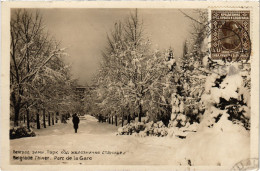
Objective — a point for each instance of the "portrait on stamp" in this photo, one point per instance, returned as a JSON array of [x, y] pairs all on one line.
[[230, 34]]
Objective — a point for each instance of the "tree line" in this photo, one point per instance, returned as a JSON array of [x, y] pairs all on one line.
[[40, 81], [136, 81]]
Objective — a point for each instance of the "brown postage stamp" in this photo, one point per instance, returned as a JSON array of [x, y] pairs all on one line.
[[230, 36]]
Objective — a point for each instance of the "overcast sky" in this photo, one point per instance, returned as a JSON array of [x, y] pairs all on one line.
[[84, 31]]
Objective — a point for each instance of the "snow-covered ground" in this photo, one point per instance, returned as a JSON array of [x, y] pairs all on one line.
[[202, 148]]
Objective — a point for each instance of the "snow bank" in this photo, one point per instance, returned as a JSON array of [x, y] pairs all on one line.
[[218, 141], [224, 144]]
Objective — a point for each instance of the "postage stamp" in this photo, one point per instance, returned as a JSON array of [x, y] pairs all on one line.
[[230, 36]]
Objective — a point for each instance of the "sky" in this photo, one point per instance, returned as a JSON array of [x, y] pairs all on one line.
[[84, 33]]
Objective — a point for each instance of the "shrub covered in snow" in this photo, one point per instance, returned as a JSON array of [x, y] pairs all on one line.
[[156, 129], [227, 93], [181, 132], [223, 144], [22, 131], [144, 129]]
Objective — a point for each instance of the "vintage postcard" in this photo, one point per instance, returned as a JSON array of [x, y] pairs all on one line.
[[130, 86]]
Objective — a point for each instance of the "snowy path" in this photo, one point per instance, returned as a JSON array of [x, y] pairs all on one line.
[[97, 144], [93, 137], [88, 125]]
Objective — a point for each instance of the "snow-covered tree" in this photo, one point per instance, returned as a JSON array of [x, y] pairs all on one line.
[[210, 88], [36, 67], [130, 72]]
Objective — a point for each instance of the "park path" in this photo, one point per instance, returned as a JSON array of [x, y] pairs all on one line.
[[96, 140], [87, 125]]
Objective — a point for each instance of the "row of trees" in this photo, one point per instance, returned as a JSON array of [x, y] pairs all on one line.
[[135, 81], [40, 81], [131, 80]]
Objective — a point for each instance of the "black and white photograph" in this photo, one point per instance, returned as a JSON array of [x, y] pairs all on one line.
[[132, 86]]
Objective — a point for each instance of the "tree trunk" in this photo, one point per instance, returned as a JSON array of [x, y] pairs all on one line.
[[116, 120], [140, 113], [28, 118], [16, 115], [38, 120], [52, 118], [109, 121], [112, 119], [49, 119], [24, 118], [99, 118], [17, 107], [128, 118], [56, 118], [43, 115], [122, 120]]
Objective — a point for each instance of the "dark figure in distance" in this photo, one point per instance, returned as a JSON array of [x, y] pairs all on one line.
[[75, 121]]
